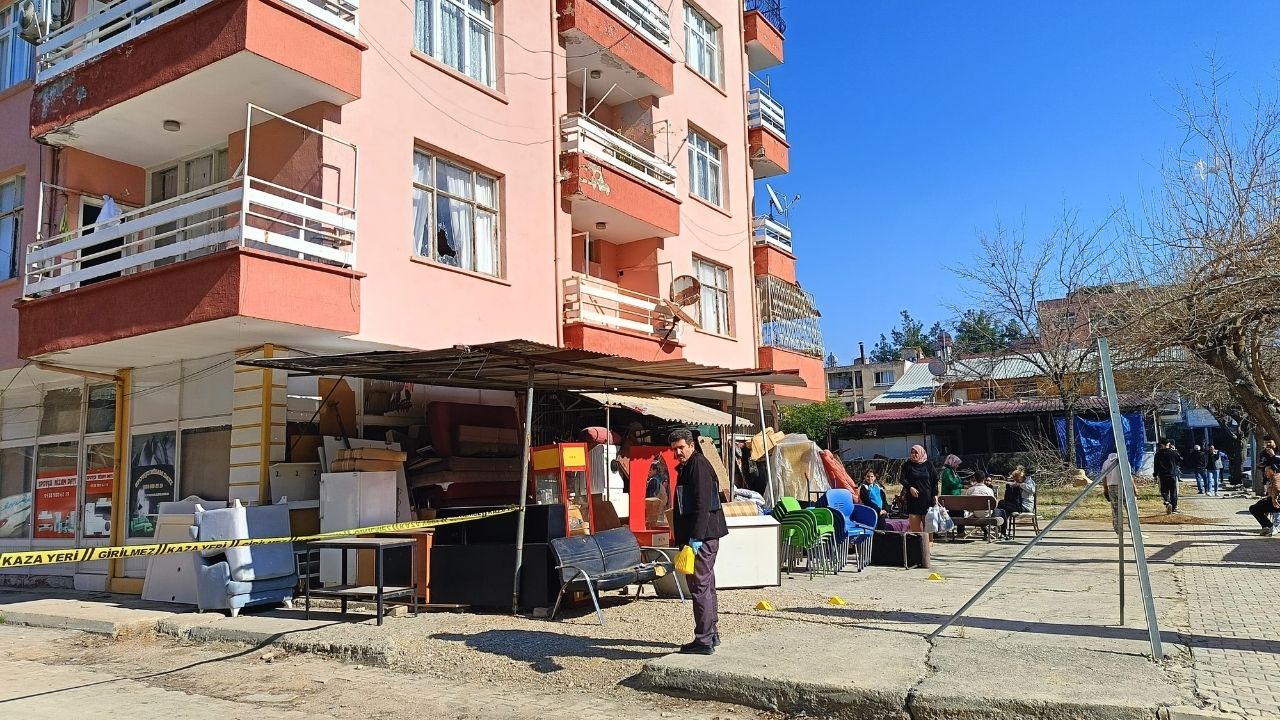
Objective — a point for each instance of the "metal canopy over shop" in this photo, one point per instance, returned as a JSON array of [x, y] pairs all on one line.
[[520, 365], [667, 407], [506, 366]]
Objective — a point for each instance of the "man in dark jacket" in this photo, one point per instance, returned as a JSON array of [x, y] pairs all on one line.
[[699, 523], [1168, 466]]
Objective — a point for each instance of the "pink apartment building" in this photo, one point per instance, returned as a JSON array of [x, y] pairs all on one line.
[[184, 183]]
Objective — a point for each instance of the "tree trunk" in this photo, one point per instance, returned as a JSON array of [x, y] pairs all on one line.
[[1263, 408], [1071, 437]]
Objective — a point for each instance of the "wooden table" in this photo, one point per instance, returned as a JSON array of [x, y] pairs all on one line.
[[421, 564], [379, 592]]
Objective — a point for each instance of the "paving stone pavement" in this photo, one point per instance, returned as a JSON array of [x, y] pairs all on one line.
[[1231, 578]]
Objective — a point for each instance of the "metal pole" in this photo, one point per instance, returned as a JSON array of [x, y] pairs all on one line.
[[733, 443], [524, 491], [1117, 524], [764, 433], [1014, 560], [608, 448], [1130, 501]]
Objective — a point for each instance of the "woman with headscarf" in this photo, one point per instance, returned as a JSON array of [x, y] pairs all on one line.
[[951, 484], [919, 486]]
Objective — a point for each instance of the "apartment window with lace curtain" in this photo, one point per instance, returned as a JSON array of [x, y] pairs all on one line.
[[704, 168], [713, 303], [455, 215], [702, 44], [458, 33], [10, 225]]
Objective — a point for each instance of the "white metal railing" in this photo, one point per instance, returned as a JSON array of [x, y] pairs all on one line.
[[596, 302], [582, 134], [646, 17], [769, 231], [244, 211], [116, 23], [765, 112]]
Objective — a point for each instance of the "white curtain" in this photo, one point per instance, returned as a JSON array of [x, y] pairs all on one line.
[[486, 227], [422, 226], [423, 22], [480, 64], [453, 26], [454, 217]]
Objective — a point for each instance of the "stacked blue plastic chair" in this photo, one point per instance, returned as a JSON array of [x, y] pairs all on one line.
[[841, 504], [866, 519]]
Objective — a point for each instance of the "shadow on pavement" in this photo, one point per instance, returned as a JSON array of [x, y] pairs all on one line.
[[541, 649]]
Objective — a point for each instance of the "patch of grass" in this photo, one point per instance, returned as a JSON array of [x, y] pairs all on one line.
[[1095, 506]]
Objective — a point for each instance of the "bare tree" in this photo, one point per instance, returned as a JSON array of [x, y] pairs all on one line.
[[1208, 256], [1049, 290]]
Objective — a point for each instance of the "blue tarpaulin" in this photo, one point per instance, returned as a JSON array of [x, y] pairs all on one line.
[[1095, 441]]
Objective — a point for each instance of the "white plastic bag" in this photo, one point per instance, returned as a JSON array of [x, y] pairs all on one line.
[[933, 520]]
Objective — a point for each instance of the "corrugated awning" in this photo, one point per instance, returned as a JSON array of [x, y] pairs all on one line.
[[513, 364], [666, 407]]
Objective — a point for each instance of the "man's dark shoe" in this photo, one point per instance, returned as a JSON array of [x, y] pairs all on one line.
[[715, 640], [695, 648]]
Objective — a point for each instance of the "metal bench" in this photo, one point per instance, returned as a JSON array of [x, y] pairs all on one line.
[[606, 561]]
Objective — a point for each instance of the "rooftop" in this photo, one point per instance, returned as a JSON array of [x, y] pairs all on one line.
[[998, 407]]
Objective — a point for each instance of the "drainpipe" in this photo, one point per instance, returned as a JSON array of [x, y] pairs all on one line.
[[558, 307]]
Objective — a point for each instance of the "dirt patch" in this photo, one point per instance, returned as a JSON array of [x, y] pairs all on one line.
[[1176, 519]]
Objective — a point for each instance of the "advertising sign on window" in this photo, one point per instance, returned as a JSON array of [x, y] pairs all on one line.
[[151, 480], [97, 502], [56, 507]]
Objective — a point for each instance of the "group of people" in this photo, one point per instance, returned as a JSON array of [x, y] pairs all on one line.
[[1208, 465]]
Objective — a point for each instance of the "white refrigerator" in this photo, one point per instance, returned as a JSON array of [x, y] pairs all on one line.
[[352, 500]]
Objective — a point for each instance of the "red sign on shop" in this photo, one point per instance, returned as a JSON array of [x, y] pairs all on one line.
[[55, 507]]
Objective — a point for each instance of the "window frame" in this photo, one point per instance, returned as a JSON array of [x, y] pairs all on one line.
[[12, 71], [725, 292], [475, 205], [879, 378], [13, 215], [428, 43], [700, 147], [699, 25]]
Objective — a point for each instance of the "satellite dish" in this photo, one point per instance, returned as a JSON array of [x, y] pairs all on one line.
[[685, 290], [29, 23], [938, 367], [773, 198]]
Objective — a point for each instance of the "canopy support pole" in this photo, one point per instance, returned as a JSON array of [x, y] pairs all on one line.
[[764, 433], [524, 491], [732, 442], [608, 448]]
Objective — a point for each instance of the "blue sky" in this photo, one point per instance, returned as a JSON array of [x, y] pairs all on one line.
[[917, 124]]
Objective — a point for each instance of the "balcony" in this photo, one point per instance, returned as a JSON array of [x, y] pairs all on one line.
[[108, 82], [615, 185], [248, 247], [763, 30], [768, 230], [602, 317], [766, 135], [791, 335], [618, 49]]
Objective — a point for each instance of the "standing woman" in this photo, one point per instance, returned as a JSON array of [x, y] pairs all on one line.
[[919, 485]]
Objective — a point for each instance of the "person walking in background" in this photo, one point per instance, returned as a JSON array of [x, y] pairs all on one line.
[[1213, 463], [698, 519], [1200, 467], [1167, 468], [919, 488], [951, 484], [1270, 502]]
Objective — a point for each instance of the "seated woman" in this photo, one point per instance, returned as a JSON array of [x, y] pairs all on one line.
[[872, 495], [951, 484]]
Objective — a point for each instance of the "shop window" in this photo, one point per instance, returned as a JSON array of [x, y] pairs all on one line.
[[57, 481], [20, 416], [15, 492], [151, 480], [61, 412], [713, 303], [99, 476], [206, 462], [102, 409], [455, 215], [10, 214]]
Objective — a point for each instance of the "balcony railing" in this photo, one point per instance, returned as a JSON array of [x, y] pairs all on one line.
[[244, 211], [765, 112], [117, 23], [596, 302], [789, 317], [644, 16], [584, 135], [770, 231], [771, 10]]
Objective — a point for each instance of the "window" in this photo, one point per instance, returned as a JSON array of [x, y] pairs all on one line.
[[857, 380], [713, 304], [702, 44], [885, 377], [61, 413], [17, 56], [455, 215], [10, 225], [458, 33], [16, 465], [704, 168]]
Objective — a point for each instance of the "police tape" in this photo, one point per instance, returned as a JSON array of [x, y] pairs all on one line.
[[28, 558]]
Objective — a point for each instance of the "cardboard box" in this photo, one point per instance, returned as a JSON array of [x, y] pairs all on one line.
[[367, 453], [604, 517], [360, 465], [305, 448], [653, 508]]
